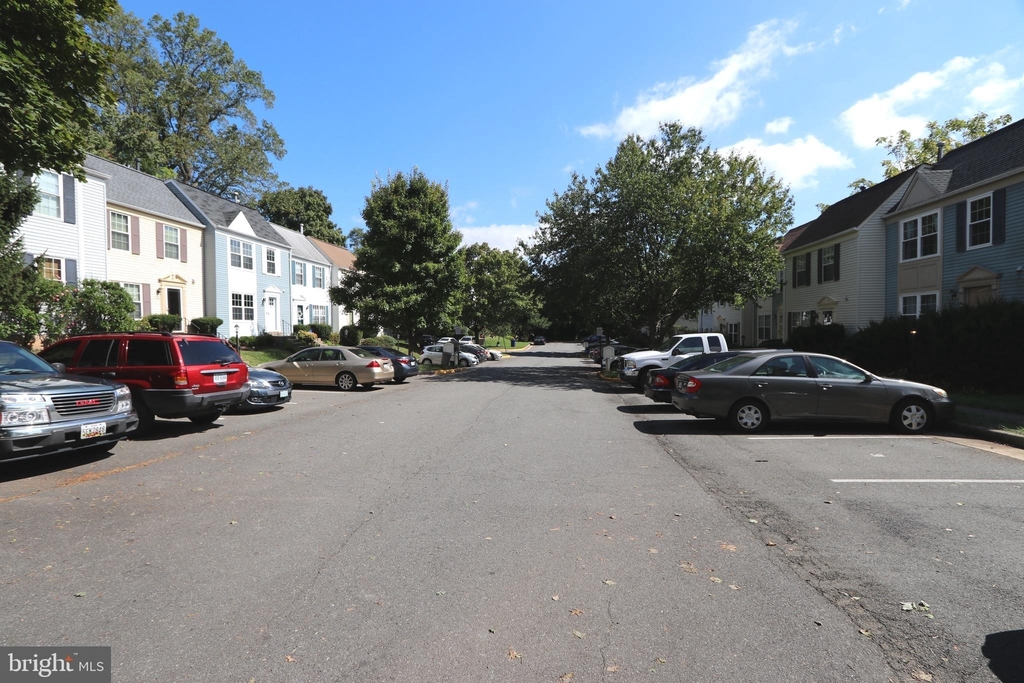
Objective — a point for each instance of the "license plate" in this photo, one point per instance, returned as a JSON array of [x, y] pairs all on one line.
[[284, 394], [97, 429], [221, 378]]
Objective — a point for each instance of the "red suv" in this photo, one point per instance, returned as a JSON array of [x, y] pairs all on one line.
[[170, 375]]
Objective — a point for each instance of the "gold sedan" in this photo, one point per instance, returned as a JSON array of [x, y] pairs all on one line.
[[341, 366]]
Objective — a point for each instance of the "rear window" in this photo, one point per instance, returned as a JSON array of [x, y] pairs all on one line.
[[360, 353], [728, 363], [203, 352]]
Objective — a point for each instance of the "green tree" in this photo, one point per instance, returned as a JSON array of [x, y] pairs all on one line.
[[93, 306], [19, 320], [669, 226], [51, 72], [304, 206], [409, 274], [907, 152], [183, 106], [499, 292]]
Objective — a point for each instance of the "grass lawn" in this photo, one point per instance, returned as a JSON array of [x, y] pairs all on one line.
[[263, 355], [1010, 403]]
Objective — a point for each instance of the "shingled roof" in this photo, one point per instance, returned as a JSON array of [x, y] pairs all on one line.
[[222, 212], [137, 190], [848, 213], [995, 154], [339, 256], [302, 248]]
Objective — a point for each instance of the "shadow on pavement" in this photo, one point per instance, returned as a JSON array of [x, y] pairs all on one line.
[[561, 377], [1005, 659], [650, 409], [171, 429], [48, 464], [684, 424]]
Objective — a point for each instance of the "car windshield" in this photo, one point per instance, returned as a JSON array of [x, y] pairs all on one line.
[[728, 363], [669, 345], [15, 360], [360, 353]]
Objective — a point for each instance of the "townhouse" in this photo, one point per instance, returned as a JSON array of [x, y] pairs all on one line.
[[309, 279], [154, 245], [342, 262], [245, 265]]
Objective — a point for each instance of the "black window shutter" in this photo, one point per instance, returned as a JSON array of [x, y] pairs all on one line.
[[835, 263], [961, 226], [999, 216], [820, 264], [794, 271], [71, 271], [69, 199]]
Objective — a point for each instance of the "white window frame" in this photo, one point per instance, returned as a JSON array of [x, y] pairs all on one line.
[[318, 315], [919, 238], [917, 303], [244, 253], [298, 273], [43, 195], [300, 315], [318, 274], [176, 244], [828, 260], [137, 315], [127, 233], [270, 261], [764, 325], [63, 271], [245, 305], [970, 201], [797, 271]]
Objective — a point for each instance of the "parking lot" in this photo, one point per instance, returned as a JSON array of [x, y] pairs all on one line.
[[520, 521]]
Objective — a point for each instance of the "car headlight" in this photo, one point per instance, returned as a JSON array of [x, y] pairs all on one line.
[[19, 417], [940, 392], [258, 384], [122, 392], [20, 399], [123, 395], [629, 364]]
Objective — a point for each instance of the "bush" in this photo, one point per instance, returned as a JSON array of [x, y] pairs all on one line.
[[206, 325], [305, 338], [161, 322], [300, 327], [383, 340], [247, 342], [350, 335], [828, 339], [321, 330]]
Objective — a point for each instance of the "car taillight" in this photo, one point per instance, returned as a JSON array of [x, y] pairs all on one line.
[[659, 381], [403, 361], [692, 386], [373, 364], [180, 380]]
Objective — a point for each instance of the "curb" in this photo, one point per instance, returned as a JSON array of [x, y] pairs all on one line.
[[996, 435]]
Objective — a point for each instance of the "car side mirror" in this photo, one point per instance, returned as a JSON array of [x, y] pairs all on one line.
[[677, 352], [60, 367]]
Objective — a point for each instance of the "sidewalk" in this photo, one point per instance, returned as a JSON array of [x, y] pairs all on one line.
[[985, 424]]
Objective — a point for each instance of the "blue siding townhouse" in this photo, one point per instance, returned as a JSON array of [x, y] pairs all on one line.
[[245, 265], [956, 238]]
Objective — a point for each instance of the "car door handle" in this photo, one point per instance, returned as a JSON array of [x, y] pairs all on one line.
[[108, 375], [760, 385], [825, 387]]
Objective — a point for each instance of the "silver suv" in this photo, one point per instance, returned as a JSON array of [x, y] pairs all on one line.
[[43, 411]]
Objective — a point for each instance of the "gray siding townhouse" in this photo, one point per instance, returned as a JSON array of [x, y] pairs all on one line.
[[245, 265], [835, 268], [957, 236]]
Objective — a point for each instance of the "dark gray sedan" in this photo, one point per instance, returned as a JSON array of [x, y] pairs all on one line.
[[751, 390]]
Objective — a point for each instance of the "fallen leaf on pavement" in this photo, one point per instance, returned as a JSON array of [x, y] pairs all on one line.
[[567, 677], [771, 544], [727, 546], [289, 658], [688, 567], [579, 634], [653, 551], [575, 612], [554, 597], [907, 606], [512, 654], [614, 668], [866, 633], [79, 595], [921, 676], [752, 521], [715, 579], [610, 582], [659, 660], [734, 586]]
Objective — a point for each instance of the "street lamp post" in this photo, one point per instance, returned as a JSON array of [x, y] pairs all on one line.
[[237, 347]]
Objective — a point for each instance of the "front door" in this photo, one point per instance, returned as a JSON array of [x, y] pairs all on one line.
[[174, 304], [271, 320]]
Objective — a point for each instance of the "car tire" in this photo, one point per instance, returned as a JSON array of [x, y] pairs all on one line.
[[911, 416], [463, 363], [641, 379], [399, 380], [748, 416], [426, 361], [146, 417], [345, 381], [206, 418]]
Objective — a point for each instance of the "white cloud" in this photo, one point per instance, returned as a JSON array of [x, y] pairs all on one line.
[[996, 89], [461, 213], [797, 162], [713, 102], [779, 125], [879, 115], [497, 236]]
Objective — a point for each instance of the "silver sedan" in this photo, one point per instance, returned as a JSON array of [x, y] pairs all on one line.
[[341, 366], [750, 390]]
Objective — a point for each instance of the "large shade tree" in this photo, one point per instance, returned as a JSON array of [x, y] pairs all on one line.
[[499, 291], [183, 106], [303, 209], [409, 274], [669, 226]]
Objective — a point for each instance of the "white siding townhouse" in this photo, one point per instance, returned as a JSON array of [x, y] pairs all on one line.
[[310, 279], [342, 261]]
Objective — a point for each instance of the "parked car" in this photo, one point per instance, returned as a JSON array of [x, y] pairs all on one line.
[[658, 386], [749, 390], [539, 340], [405, 365], [636, 365], [445, 340], [427, 340], [44, 411], [432, 355], [478, 351], [488, 354], [170, 375], [467, 340], [343, 366], [266, 389]]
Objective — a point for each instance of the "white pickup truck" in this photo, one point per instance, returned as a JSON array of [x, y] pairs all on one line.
[[633, 367]]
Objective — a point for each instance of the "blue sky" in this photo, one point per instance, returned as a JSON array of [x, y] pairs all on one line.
[[503, 100]]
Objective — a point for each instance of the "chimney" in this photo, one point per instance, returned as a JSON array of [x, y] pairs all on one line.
[[302, 229], [236, 197], [942, 147], [138, 164]]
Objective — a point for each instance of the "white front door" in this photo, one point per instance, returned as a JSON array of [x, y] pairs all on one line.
[[271, 317]]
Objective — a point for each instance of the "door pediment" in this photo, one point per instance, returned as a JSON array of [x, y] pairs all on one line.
[[977, 275], [827, 302]]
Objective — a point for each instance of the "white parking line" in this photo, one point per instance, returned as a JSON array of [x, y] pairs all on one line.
[[864, 436], [928, 481]]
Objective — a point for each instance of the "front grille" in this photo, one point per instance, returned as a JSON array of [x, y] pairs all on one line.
[[83, 403], [278, 383]]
